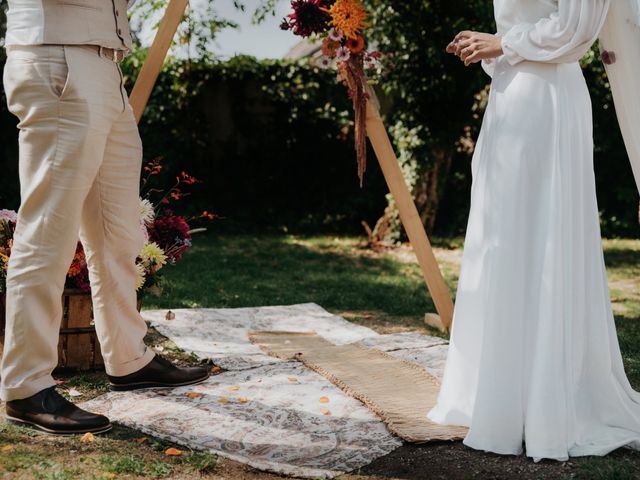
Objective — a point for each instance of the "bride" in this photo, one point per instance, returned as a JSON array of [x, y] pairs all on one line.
[[534, 357]]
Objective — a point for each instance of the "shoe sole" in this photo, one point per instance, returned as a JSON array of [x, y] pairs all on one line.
[[25, 423], [127, 387]]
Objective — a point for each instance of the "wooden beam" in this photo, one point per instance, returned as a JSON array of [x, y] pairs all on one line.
[[410, 218], [157, 54]]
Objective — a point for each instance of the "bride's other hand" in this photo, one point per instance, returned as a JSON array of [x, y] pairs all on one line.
[[473, 47]]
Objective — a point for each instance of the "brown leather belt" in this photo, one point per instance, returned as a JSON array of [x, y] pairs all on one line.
[[112, 54]]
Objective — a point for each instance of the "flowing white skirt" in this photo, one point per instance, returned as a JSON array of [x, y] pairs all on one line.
[[534, 356]]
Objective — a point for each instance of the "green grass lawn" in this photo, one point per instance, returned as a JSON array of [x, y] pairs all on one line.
[[382, 290], [338, 273]]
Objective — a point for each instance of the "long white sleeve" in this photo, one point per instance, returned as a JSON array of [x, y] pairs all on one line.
[[564, 37], [620, 36]]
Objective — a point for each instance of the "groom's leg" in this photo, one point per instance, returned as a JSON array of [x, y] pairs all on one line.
[[61, 145], [112, 237]]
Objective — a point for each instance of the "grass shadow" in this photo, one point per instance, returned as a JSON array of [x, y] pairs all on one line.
[[244, 271]]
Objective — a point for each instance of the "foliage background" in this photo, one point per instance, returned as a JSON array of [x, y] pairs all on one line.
[[271, 140]]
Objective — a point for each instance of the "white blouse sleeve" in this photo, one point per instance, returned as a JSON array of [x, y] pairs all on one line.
[[563, 37]]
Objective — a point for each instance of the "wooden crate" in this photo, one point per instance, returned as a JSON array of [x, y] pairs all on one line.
[[78, 346]]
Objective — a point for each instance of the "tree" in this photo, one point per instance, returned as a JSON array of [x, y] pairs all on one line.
[[434, 110], [200, 25], [437, 107]]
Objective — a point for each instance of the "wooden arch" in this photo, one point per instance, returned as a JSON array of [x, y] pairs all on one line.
[[381, 144]]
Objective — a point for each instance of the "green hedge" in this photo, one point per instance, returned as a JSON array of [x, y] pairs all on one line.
[[438, 105], [272, 143], [270, 140]]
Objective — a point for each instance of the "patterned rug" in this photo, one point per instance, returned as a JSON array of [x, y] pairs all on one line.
[[271, 414]]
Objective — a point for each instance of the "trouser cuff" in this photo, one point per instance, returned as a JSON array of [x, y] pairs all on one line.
[[122, 369], [27, 390]]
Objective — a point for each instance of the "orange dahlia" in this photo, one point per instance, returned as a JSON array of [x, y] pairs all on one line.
[[329, 47], [349, 16], [356, 45]]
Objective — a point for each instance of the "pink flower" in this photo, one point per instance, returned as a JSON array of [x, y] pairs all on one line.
[[335, 35], [9, 216], [343, 54]]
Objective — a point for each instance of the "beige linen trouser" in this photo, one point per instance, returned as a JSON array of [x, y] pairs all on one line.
[[80, 160]]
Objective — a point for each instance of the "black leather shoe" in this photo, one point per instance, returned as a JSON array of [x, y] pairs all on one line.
[[52, 413], [160, 372]]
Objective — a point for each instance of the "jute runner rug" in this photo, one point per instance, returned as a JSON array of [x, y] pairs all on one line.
[[399, 392]]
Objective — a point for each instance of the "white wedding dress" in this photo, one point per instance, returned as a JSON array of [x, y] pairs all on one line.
[[534, 357]]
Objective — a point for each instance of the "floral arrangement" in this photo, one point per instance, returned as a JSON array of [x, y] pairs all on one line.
[[8, 220], [341, 26], [167, 238]]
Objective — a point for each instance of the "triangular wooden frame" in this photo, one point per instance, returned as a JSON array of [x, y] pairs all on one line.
[[381, 144]]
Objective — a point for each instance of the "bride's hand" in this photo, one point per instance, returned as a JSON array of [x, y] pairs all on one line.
[[472, 47]]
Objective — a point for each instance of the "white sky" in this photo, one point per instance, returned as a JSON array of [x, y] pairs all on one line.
[[265, 40]]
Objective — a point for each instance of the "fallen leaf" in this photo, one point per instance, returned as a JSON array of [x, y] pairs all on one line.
[[324, 400], [291, 379], [194, 395], [216, 370], [234, 388], [243, 400], [109, 475], [170, 315], [7, 448], [223, 400], [324, 411], [87, 438], [74, 393], [172, 452], [141, 440]]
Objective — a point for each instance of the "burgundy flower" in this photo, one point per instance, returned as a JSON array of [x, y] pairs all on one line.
[[308, 17], [608, 57], [171, 233], [81, 281]]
